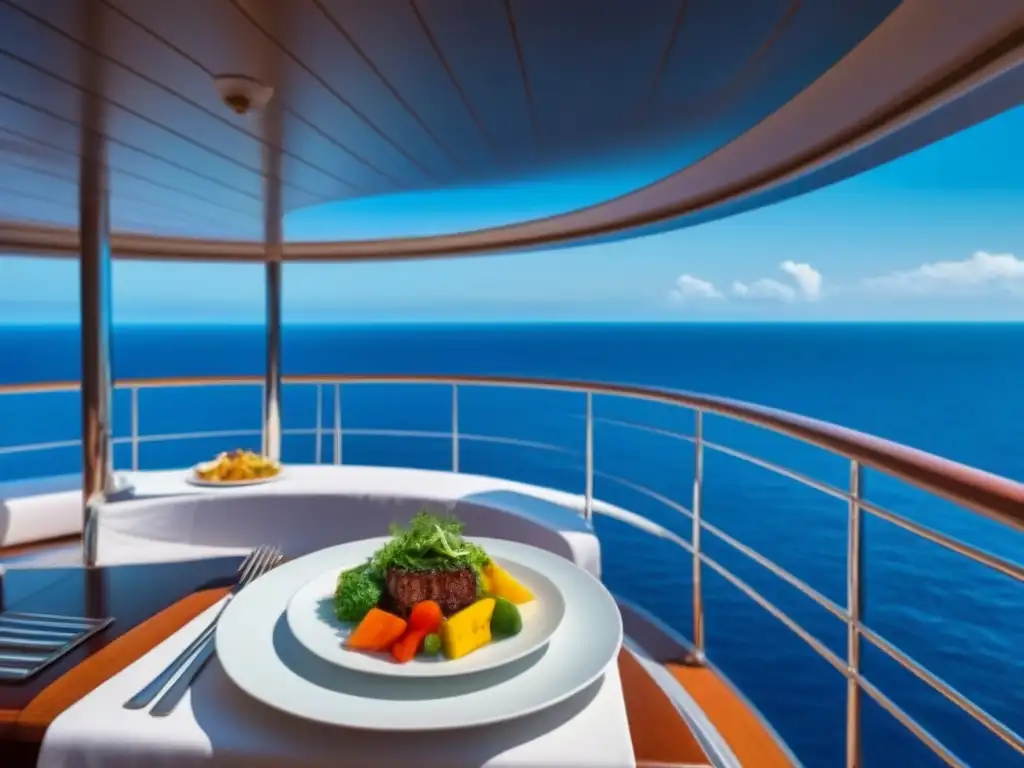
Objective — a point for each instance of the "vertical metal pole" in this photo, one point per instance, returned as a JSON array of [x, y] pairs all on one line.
[[588, 494], [855, 607], [337, 423], [455, 428], [97, 593], [272, 240], [95, 299], [272, 386], [135, 429], [698, 494], [319, 421]]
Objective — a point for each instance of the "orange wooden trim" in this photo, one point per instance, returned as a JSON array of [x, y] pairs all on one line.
[[999, 498], [37, 546], [33, 720], [741, 727], [659, 733], [8, 717]]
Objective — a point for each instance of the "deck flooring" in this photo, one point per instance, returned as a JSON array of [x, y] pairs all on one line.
[[660, 735], [736, 721]]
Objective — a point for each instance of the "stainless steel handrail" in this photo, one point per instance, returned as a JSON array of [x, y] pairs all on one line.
[[698, 504], [854, 601], [974, 553], [455, 428], [997, 498], [983, 493]]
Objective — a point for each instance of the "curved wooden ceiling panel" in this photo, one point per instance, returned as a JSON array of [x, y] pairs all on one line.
[[400, 59], [398, 95], [475, 46], [588, 74]]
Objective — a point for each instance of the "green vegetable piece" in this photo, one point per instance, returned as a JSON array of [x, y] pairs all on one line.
[[506, 620], [358, 591], [432, 645]]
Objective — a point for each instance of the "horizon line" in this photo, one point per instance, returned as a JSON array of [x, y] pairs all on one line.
[[64, 325]]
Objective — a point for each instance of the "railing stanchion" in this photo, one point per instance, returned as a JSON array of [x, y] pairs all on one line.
[[337, 424], [318, 454], [855, 607], [336, 431], [135, 429], [455, 428], [588, 497], [263, 416], [698, 493]]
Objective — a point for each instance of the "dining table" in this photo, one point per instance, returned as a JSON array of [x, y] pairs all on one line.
[[71, 712]]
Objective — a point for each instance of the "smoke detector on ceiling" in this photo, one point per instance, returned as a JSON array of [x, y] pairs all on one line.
[[242, 94]]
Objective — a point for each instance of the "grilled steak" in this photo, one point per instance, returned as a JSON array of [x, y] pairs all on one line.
[[452, 590]]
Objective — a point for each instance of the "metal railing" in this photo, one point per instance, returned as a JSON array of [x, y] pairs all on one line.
[[997, 498]]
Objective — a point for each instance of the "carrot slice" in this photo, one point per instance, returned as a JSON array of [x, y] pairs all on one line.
[[376, 632], [426, 615], [408, 645]]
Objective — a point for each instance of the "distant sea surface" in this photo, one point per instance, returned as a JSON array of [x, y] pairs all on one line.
[[954, 390]]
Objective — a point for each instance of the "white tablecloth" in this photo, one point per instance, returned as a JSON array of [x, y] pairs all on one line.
[[218, 725], [312, 505]]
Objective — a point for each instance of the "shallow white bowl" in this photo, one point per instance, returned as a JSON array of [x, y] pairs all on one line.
[[193, 478], [312, 621]]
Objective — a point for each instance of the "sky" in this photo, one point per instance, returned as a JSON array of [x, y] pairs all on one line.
[[937, 235]]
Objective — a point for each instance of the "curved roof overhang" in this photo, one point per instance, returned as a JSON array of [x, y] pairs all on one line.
[[927, 70]]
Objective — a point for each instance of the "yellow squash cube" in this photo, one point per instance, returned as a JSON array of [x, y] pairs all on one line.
[[468, 629]]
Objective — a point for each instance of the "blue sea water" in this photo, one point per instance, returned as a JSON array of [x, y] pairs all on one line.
[[954, 390]]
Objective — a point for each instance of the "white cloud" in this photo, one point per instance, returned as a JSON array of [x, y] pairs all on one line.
[[981, 273], [808, 286], [807, 278], [689, 287], [765, 288]]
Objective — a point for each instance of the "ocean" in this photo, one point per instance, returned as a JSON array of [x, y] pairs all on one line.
[[954, 390]]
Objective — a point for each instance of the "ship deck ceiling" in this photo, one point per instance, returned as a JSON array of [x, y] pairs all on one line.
[[740, 103]]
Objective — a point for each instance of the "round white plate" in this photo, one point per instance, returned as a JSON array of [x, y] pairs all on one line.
[[261, 656], [193, 478], [312, 621]]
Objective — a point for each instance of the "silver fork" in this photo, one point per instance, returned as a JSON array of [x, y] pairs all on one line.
[[166, 703], [255, 564]]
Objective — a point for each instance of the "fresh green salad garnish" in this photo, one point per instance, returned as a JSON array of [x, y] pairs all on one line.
[[429, 543], [357, 592]]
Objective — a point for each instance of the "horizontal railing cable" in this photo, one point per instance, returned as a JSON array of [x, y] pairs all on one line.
[[995, 562]]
